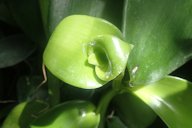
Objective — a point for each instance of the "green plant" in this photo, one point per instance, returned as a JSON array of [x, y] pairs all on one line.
[[114, 71]]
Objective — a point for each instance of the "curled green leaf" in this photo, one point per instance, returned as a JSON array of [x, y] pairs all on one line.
[[109, 54], [86, 52]]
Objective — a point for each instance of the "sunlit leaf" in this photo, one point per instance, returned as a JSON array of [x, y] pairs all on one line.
[[14, 49], [170, 98], [86, 52], [161, 32]]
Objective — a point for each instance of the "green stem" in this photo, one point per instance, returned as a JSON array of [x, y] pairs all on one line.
[[103, 105], [54, 89], [118, 88], [117, 82]]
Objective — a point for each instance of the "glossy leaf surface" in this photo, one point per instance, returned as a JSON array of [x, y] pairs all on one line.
[[86, 52], [14, 49], [161, 32], [133, 112], [170, 98], [73, 114], [109, 56]]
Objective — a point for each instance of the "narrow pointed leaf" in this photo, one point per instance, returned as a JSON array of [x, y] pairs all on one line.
[[161, 32], [170, 98]]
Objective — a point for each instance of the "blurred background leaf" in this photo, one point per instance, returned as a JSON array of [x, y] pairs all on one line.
[[5, 14], [28, 17], [162, 35], [28, 88], [115, 122], [14, 49]]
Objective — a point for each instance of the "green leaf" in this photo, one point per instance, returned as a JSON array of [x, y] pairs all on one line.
[[31, 112], [54, 11], [133, 112], [86, 52], [12, 120], [24, 113], [27, 16], [5, 109], [72, 114], [14, 49], [170, 98], [161, 33], [44, 9], [109, 56]]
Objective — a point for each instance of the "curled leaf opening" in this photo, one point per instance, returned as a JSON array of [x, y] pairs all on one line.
[[109, 55], [81, 42]]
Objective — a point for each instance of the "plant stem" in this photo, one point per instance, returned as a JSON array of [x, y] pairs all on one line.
[[103, 105], [54, 89]]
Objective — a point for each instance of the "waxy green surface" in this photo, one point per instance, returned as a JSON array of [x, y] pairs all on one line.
[[73, 55], [161, 32], [72, 114], [170, 98]]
